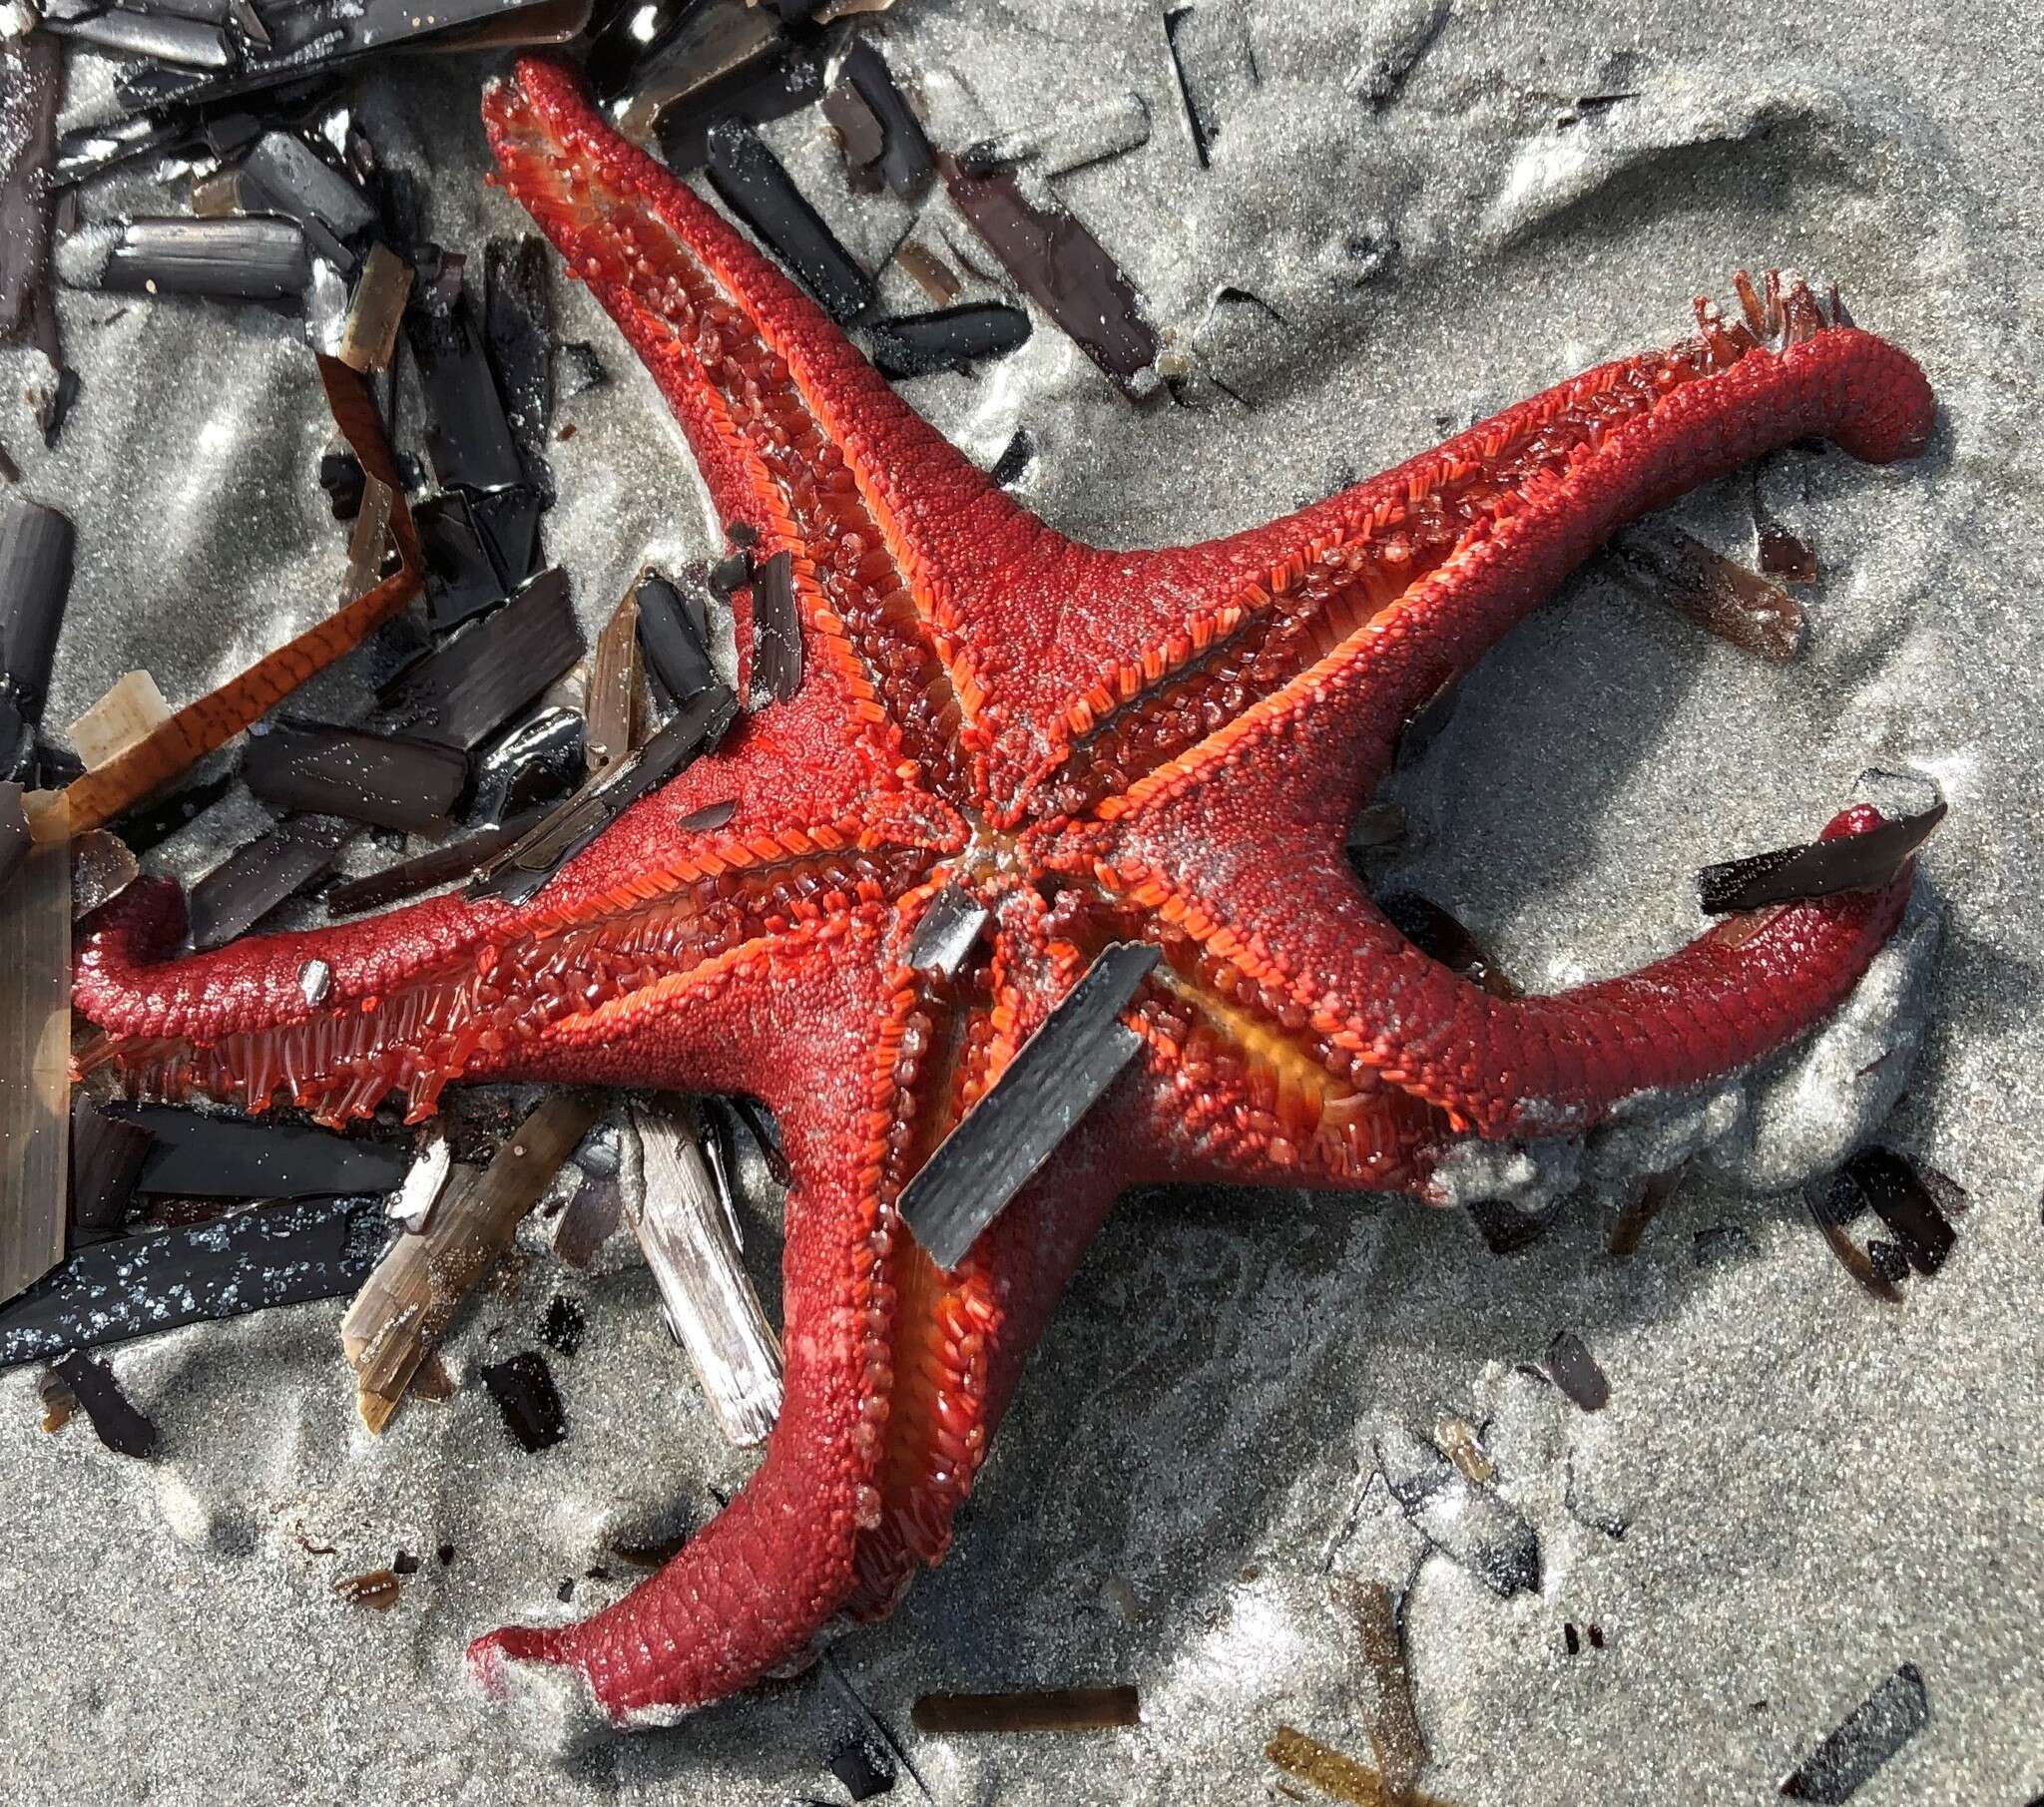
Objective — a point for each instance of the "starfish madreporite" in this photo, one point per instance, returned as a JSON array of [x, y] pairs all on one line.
[[1099, 746]]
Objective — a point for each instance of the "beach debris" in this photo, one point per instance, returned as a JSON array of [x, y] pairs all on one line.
[[257, 877], [928, 272], [468, 438], [407, 1304], [1505, 1228], [749, 178], [864, 1765], [135, 1285], [1660, 563], [1466, 1522], [1335, 1774], [1015, 459], [425, 871], [1441, 937], [1390, 1717], [764, 1137], [212, 720], [123, 719], [776, 633], [462, 580], [948, 931], [1059, 146], [102, 867], [392, 781], [687, 1228], [35, 1079], [1070, 1709], [1381, 824], [611, 691], [1872, 1733], [1834, 1202], [411, 1204], [280, 174], [919, 345], [1722, 1242], [565, 1324], [536, 763], [673, 626], [1215, 65], [524, 1390], [1905, 1198], [518, 874], [35, 547], [903, 160], [31, 88], [1853, 862], [475, 681], [1574, 1370], [786, 77], [1647, 1199], [1572, 1639], [119, 1426], [1457, 1439], [1053, 1081], [673, 54], [1061, 266], [225, 259], [210, 1154], [60, 1404], [106, 1161], [378, 1589], [518, 338]]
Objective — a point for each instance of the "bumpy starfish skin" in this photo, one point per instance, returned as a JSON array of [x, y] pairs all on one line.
[[1101, 745]]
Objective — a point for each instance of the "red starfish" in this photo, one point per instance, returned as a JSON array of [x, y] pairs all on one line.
[[1101, 746]]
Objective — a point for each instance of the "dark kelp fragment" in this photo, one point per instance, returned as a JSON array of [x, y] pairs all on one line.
[[948, 931], [776, 633], [1877, 1728], [106, 1161], [31, 84], [378, 1589], [524, 1390], [565, 1324], [1387, 1706], [677, 57], [904, 162], [1443, 938], [425, 871], [471, 441], [1832, 1203], [765, 1137], [671, 630], [1906, 1204], [1063, 269], [537, 762], [747, 176], [166, 37], [469, 684], [392, 780], [1029, 1711], [1210, 49], [1338, 1775], [515, 876], [860, 134], [917, 344], [864, 1765], [121, 1427], [1575, 1371], [1854, 862], [205, 1154], [230, 259], [282, 174], [1505, 1228], [1053, 1081], [1468, 1523], [518, 337], [711, 817], [1648, 1197], [1660, 563], [1015, 459], [462, 578], [251, 881], [767, 88], [35, 580], [130, 1286], [609, 702]]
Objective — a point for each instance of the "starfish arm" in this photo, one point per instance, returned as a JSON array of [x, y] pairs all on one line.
[[1334, 625], [796, 434], [896, 1372]]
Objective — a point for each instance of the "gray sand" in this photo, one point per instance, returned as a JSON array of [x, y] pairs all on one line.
[[1812, 1486]]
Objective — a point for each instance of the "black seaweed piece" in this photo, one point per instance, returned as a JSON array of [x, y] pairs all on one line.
[[518, 337], [540, 761], [864, 1766], [1062, 267], [860, 134], [1854, 862], [228, 259], [106, 1161], [747, 176], [54, 406], [282, 174], [242, 890], [471, 683], [676, 651], [130, 1286], [1016, 457], [905, 163], [340, 476], [18, 746], [469, 441], [202, 1154], [508, 520], [1877, 1728], [695, 729], [1504, 1227], [122, 1429], [919, 343], [392, 781], [1213, 58], [731, 574], [149, 824], [439, 866], [524, 1390], [578, 368], [31, 86], [1053, 1081], [565, 1324], [186, 43], [765, 1139], [776, 633], [462, 578], [1443, 938], [1901, 1198], [1833, 1202], [948, 931], [621, 36], [1575, 1371], [756, 94], [14, 831], [36, 544]]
